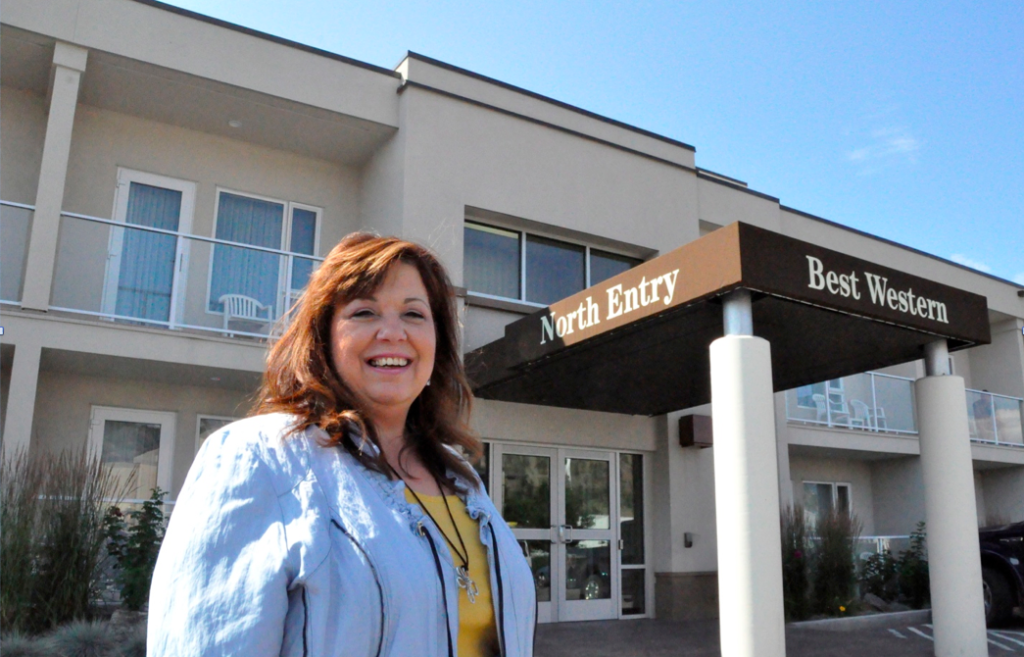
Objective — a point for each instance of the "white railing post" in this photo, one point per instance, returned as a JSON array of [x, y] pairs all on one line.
[[992, 414], [874, 404]]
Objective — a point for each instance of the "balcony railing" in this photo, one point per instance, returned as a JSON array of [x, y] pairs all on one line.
[[866, 402], [885, 403], [15, 227], [153, 277], [995, 419]]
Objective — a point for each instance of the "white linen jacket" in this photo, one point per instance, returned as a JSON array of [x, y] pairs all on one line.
[[281, 546]]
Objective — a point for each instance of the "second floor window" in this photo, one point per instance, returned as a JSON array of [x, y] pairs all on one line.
[[270, 278], [515, 265]]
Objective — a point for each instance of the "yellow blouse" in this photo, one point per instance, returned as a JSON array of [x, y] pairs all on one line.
[[478, 634]]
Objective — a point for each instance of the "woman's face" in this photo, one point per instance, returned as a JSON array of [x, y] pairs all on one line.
[[383, 346]]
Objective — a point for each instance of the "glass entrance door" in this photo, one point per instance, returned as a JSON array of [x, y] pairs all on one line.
[[559, 503], [586, 535]]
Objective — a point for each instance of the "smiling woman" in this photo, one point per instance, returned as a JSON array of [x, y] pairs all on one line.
[[343, 518]]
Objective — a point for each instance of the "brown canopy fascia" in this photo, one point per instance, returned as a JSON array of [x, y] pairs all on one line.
[[638, 343]]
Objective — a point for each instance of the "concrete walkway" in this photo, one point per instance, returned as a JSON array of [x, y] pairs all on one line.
[[654, 638]]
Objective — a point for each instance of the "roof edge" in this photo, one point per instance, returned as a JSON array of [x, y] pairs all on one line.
[[890, 242], [543, 98], [234, 27]]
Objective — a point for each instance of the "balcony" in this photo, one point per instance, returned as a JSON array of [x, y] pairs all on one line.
[[865, 402], [145, 276], [995, 419], [885, 403], [15, 226]]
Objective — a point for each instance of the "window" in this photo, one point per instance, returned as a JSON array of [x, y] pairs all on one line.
[[631, 532], [135, 442], [822, 497], [270, 278], [207, 425], [514, 265]]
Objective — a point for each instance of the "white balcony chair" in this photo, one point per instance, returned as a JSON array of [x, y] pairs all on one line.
[[244, 308], [877, 416], [860, 415], [839, 413]]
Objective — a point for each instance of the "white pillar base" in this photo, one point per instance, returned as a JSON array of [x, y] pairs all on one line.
[[954, 558], [752, 619]]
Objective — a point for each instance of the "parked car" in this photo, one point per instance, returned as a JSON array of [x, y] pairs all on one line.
[[1002, 570]]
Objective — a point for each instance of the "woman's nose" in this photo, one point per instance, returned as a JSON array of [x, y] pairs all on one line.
[[391, 328]]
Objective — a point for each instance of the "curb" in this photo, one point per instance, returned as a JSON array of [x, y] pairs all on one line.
[[871, 621]]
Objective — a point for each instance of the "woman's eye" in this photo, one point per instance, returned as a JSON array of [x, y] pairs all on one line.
[[363, 312]]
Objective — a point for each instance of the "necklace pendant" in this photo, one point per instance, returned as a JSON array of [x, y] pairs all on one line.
[[466, 582]]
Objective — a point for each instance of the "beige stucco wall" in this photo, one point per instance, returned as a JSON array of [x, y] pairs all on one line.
[[457, 156], [683, 480], [723, 204], [838, 470], [106, 140], [564, 427], [166, 38], [898, 502], [65, 401], [22, 131], [999, 367], [1003, 491]]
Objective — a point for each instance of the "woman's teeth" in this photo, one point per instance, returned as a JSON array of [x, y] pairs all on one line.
[[389, 362]]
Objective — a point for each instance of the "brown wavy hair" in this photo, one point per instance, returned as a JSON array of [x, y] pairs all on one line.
[[300, 378]]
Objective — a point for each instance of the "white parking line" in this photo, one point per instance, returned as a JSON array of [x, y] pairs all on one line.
[[999, 645], [897, 633], [1004, 636], [920, 633]]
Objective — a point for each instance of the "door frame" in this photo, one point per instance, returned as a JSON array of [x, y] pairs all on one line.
[[168, 434], [125, 177], [558, 609]]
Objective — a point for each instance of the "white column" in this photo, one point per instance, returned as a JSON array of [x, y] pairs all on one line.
[[954, 559], [752, 622], [21, 399], [68, 66]]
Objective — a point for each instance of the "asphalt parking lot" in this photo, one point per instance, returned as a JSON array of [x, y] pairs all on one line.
[[654, 638]]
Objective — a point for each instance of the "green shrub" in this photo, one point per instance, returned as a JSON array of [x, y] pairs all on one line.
[[795, 553], [135, 546], [18, 645], [84, 639], [52, 510], [834, 564], [914, 586], [880, 575]]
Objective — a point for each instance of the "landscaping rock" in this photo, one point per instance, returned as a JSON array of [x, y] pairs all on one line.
[[876, 602]]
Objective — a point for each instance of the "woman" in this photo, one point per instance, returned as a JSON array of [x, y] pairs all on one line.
[[341, 520]]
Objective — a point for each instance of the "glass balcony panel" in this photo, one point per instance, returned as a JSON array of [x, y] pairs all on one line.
[[866, 402], [995, 418], [1008, 415], [15, 227], [980, 416], [81, 269], [894, 404], [135, 274]]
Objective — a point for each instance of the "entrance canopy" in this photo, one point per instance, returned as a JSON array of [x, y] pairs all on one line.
[[638, 343]]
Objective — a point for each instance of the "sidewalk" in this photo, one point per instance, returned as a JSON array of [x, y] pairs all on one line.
[[654, 638]]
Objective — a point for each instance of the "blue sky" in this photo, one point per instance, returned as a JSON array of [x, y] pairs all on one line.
[[903, 119]]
